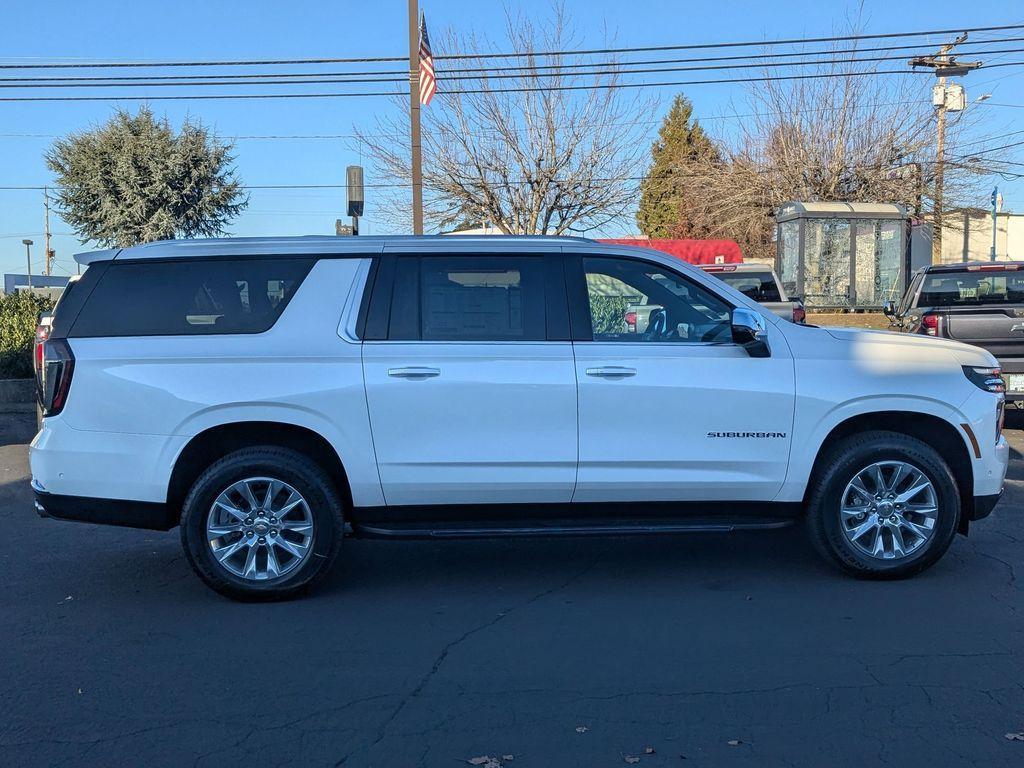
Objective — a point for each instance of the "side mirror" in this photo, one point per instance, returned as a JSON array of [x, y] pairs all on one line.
[[889, 309], [750, 332]]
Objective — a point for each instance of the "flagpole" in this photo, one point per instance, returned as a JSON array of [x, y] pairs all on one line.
[[414, 118]]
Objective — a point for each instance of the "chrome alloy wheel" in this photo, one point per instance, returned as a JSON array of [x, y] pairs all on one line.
[[889, 510], [260, 528]]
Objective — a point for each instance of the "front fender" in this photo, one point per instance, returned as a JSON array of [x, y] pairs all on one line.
[[809, 438]]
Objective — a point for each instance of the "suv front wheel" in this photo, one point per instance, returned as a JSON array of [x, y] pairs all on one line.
[[885, 505], [262, 523]]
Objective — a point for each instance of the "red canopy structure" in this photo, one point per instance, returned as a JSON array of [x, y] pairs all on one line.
[[693, 251]]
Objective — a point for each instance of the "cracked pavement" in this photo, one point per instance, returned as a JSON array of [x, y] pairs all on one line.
[[426, 653]]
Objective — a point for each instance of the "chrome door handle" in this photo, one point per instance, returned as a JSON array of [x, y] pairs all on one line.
[[611, 372], [414, 373]]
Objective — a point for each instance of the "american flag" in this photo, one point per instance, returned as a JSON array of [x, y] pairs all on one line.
[[428, 84]]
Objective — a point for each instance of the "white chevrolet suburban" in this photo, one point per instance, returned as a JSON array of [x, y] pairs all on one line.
[[272, 396]]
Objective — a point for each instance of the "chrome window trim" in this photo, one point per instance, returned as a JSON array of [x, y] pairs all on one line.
[[353, 301]]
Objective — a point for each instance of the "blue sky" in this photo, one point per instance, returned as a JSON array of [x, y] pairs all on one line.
[[201, 29]]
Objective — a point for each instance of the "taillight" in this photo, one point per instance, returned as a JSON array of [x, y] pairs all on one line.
[[53, 377], [631, 321], [930, 324], [983, 377], [799, 314], [37, 357]]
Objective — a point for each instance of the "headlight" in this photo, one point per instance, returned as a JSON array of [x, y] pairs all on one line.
[[985, 378]]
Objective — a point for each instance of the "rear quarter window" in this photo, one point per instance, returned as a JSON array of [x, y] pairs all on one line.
[[189, 297]]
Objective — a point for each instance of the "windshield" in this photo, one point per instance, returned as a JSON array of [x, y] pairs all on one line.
[[759, 286], [954, 289]]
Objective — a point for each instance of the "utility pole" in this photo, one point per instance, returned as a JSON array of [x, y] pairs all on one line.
[[414, 117], [995, 210], [49, 252], [944, 65]]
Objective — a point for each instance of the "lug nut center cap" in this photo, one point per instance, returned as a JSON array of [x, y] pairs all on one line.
[[261, 528]]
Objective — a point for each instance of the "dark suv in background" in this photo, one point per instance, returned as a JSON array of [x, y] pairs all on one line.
[[979, 303]]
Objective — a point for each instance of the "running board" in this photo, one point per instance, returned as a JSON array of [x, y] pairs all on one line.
[[536, 529]]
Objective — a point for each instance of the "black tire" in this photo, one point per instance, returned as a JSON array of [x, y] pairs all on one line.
[[292, 467], [839, 466]]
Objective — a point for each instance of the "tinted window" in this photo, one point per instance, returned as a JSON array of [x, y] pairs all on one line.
[[465, 298], [947, 289], [640, 301], [186, 297], [759, 286]]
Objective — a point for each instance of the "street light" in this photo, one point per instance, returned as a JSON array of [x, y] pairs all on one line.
[[28, 260]]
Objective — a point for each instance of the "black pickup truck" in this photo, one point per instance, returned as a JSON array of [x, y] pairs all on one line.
[[979, 303]]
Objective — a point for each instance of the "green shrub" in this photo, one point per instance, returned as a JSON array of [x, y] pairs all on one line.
[[19, 315], [609, 313]]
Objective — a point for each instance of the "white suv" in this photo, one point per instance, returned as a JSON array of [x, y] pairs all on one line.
[[272, 396]]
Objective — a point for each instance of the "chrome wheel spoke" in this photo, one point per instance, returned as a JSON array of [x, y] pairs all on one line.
[[272, 488], [217, 531], [880, 485], [223, 553], [878, 548], [855, 510], [249, 569], [293, 501], [246, 490], [863, 528], [919, 484], [273, 569], [898, 545], [231, 509], [237, 523], [858, 485], [895, 519], [924, 531], [897, 476], [292, 549]]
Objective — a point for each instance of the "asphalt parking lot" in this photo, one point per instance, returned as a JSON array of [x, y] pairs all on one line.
[[739, 650]]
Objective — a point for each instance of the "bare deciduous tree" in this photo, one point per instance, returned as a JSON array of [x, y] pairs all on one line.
[[847, 136], [502, 145]]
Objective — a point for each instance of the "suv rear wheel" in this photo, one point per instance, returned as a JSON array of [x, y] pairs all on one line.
[[262, 523], [885, 506]]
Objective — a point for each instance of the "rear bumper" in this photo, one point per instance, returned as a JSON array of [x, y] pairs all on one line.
[[149, 515], [102, 465]]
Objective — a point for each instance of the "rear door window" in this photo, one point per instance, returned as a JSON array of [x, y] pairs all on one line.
[[190, 297], [469, 298]]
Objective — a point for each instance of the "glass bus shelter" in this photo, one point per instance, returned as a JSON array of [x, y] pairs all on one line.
[[843, 255]]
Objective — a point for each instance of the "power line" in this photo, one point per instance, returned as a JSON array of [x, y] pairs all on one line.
[[990, 138], [41, 81], [516, 54], [699, 46], [607, 69], [996, 149], [462, 92]]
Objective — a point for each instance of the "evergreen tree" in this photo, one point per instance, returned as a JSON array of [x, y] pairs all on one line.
[[134, 180], [670, 192]]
